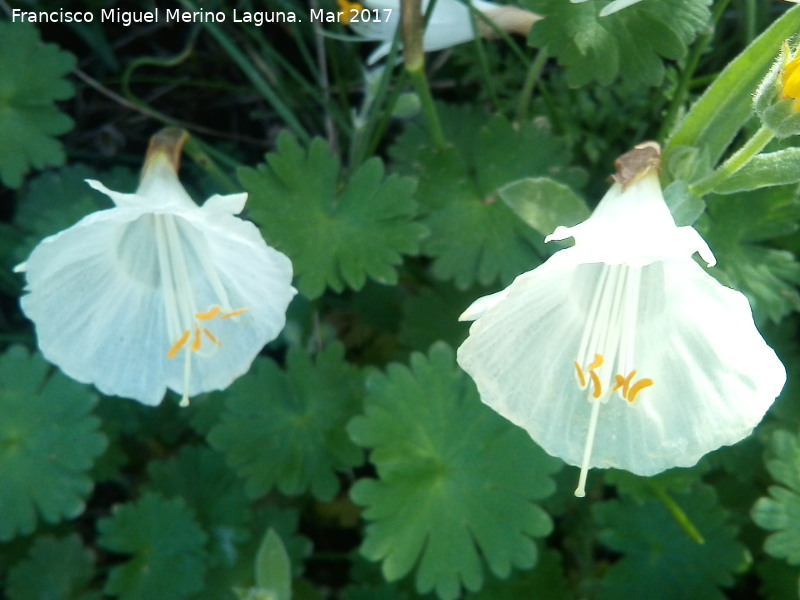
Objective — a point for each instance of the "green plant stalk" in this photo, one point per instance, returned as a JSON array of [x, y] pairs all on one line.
[[682, 92], [482, 61], [196, 150], [744, 155], [531, 79], [677, 513], [253, 75], [413, 27]]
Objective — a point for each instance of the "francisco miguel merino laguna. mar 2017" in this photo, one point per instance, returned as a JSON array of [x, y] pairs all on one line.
[[177, 15]]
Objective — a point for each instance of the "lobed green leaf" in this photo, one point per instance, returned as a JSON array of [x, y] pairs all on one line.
[[166, 547], [337, 235], [31, 81], [48, 443], [457, 483], [285, 429]]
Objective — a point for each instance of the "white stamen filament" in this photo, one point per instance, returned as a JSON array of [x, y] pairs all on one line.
[[609, 333]]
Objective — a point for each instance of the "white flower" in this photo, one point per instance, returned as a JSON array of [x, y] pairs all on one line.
[[615, 6], [157, 292], [450, 23], [621, 351]]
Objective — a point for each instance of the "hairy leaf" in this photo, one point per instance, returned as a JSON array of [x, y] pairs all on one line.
[[457, 483]]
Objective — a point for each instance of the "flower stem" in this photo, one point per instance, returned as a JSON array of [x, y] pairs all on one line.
[[677, 513], [744, 155], [413, 27], [531, 79]]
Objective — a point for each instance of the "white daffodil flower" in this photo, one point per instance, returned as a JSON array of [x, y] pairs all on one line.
[[449, 24], [157, 292], [615, 6], [621, 351]]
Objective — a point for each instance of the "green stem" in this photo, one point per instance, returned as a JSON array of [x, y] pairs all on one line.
[[677, 513], [531, 79], [428, 108], [259, 83], [744, 155], [682, 92], [197, 151], [413, 27]]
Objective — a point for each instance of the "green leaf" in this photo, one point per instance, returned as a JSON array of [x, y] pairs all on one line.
[[55, 200], [630, 44], [431, 314], [685, 207], [474, 236], [285, 429], [57, 568], [199, 476], [273, 569], [660, 560], [714, 120], [780, 512], [732, 227], [457, 483], [546, 581], [544, 204], [764, 170], [31, 81], [337, 234], [48, 443], [166, 545]]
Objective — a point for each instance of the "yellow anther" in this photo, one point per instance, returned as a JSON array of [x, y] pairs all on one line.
[[581, 376], [624, 383], [207, 316], [638, 387], [595, 379], [346, 7], [235, 313], [173, 352], [198, 339], [212, 337], [598, 387]]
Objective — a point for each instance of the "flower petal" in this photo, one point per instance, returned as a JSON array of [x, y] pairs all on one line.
[[714, 376], [231, 204]]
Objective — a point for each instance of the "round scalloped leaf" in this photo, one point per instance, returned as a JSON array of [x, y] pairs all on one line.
[[660, 560], [48, 442], [55, 568], [475, 237], [780, 512], [631, 44], [31, 80], [285, 429], [55, 200], [338, 235], [166, 544], [457, 483], [199, 476]]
